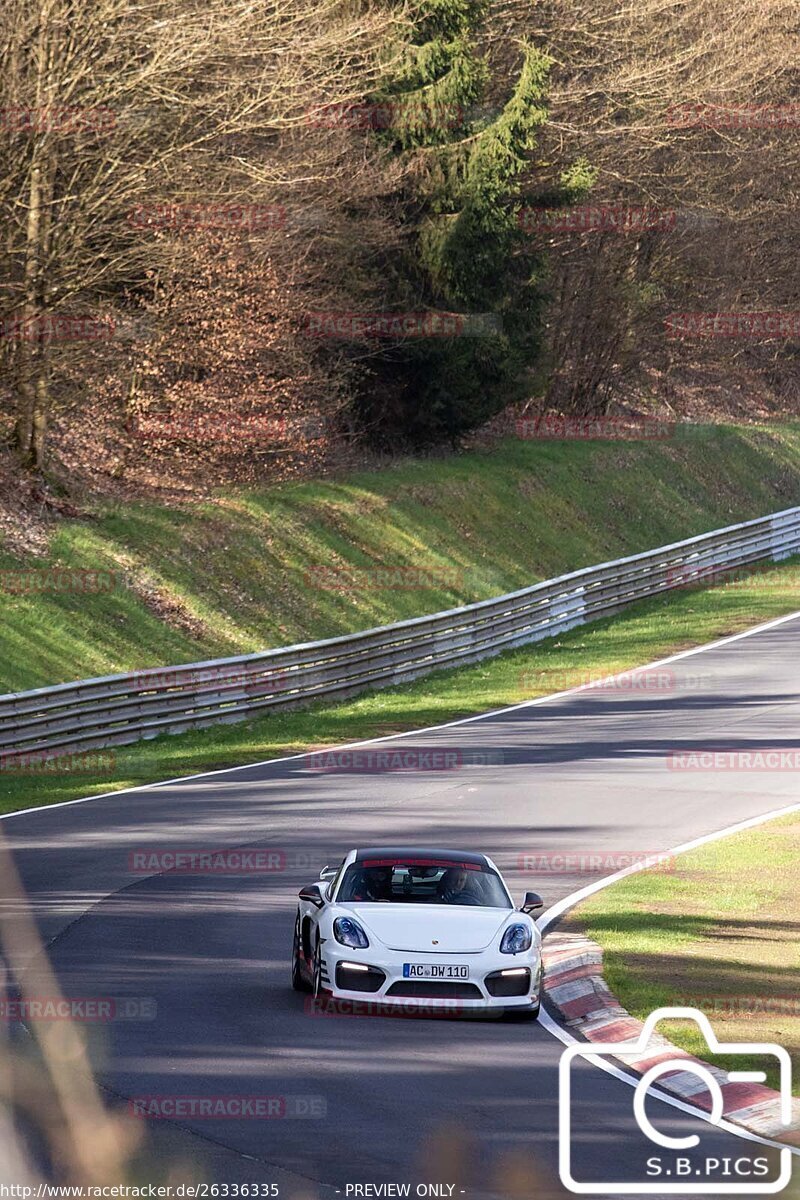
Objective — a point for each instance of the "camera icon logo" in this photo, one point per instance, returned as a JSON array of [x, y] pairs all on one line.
[[689, 1172]]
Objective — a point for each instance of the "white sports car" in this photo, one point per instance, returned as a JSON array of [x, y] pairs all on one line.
[[418, 929]]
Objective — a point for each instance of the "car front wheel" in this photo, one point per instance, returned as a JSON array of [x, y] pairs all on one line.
[[317, 970], [299, 982]]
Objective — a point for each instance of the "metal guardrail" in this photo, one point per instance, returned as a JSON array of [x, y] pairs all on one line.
[[119, 709]]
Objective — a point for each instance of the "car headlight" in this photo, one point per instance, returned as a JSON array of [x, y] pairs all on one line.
[[349, 933], [516, 939]]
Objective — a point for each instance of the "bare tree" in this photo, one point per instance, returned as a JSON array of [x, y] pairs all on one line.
[[662, 98], [111, 109]]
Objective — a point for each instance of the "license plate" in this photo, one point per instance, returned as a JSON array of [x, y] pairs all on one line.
[[434, 971]]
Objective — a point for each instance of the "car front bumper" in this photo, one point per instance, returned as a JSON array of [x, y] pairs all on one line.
[[491, 986]]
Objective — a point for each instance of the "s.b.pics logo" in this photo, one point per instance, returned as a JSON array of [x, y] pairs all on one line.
[[665, 1153]]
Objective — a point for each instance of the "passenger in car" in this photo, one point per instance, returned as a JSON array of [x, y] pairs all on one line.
[[375, 885]]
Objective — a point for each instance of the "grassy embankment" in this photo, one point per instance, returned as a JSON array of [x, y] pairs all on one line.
[[720, 933], [237, 574]]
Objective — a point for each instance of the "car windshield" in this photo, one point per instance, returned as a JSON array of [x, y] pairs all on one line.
[[421, 881]]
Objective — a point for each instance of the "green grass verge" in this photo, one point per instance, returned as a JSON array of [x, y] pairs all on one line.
[[720, 933], [648, 631], [236, 574]]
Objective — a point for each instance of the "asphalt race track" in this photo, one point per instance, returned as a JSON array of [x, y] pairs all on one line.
[[583, 774]]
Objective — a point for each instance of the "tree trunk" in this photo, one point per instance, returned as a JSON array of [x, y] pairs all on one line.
[[33, 357], [33, 374], [23, 433]]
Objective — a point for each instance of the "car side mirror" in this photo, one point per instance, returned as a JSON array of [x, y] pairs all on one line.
[[313, 895], [531, 903]]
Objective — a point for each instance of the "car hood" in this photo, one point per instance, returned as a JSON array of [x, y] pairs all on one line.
[[432, 928]]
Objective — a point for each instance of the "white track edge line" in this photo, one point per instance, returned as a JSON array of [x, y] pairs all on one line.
[[391, 737], [568, 1039]]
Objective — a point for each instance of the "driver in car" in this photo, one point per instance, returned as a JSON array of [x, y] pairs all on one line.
[[376, 884], [455, 887]]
